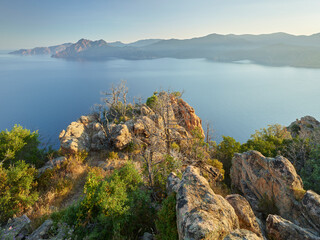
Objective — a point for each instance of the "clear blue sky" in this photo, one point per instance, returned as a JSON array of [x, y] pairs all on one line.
[[30, 23]]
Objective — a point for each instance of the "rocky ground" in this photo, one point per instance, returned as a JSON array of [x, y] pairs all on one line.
[[269, 201]]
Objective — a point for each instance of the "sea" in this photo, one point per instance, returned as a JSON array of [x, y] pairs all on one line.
[[47, 94]]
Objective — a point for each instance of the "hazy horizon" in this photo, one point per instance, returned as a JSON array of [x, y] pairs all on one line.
[[34, 23]]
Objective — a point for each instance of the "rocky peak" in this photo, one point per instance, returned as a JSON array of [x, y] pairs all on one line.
[[304, 127], [80, 46]]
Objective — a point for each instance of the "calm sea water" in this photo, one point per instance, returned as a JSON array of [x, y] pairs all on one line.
[[47, 94]]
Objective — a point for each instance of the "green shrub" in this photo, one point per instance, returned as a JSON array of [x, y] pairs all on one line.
[[269, 141], [16, 189], [20, 144], [151, 101], [175, 147], [113, 155], [114, 207], [161, 172], [166, 222]]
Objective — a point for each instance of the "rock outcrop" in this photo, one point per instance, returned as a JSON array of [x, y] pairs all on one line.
[[186, 113], [200, 212], [281, 229], [242, 234], [304, 127], [247, 219], [146, 129], [275, 180], [17, 228], [83, 135], [42, 231]]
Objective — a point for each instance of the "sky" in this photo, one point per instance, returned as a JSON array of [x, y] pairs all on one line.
[[34, 23]]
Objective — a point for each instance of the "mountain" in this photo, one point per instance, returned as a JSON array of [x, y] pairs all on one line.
[[275, 49], [139, 43], [42, 50], [80, 46]]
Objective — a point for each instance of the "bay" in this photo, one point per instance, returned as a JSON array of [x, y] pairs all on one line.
[[40, 92]]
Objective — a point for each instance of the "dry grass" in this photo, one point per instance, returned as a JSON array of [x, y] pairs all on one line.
[[59, 187]]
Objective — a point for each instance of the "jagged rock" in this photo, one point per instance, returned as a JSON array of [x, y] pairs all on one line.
[[83, 135], [281, 229], [242, 234], [186, 113], [200, 212], [51, 164], [41, 231], [258, 177], [304, 127], [16, 228], [247, 219], [120, 136], [172, 184], [311, 208]]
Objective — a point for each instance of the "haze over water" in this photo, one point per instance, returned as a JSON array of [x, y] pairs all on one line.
[[44, 93]]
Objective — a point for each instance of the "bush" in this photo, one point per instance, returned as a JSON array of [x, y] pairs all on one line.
[[269, 141], [17, 192], [113, 208], [113, 155], [20, 144], [166, 222], [151, 101], [161, 171], [310, 174]]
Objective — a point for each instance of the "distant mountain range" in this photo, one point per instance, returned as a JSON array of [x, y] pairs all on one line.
[[276, 49]]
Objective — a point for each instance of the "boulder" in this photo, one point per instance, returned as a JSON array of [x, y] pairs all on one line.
[[42, 231], [147, 236], [120, 136], [83, 135], [242, 234], [260, 177], [200, 212], [16, 228], [281, 229], [247, 219], [311, 208], [172, 184]]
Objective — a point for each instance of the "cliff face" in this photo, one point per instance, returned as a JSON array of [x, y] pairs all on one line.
[[274, 181]]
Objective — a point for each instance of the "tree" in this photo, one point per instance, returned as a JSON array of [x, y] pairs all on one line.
[[269, 141], [20, 144], [225, 152]]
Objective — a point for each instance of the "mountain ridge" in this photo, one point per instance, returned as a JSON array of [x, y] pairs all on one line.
[[295, 50]]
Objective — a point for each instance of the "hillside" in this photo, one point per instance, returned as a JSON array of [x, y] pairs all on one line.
[[276, 49], [132, 171]]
